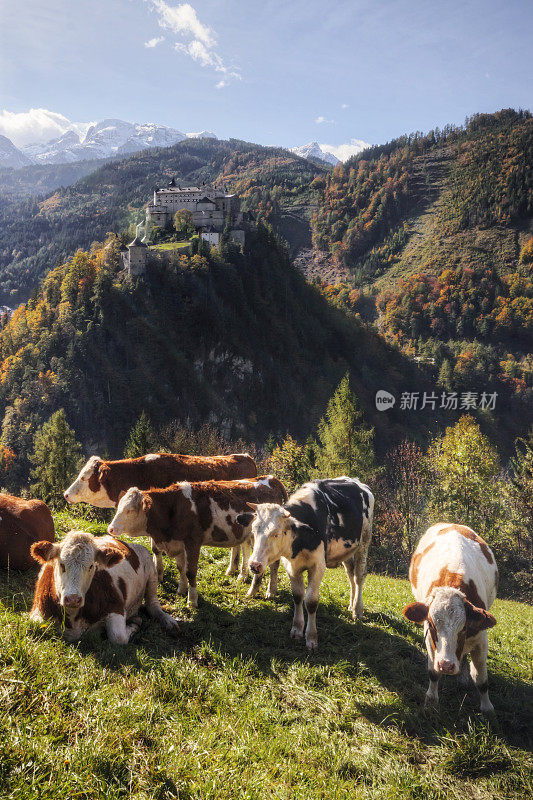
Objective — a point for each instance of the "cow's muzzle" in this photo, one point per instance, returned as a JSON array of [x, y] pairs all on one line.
[[72, 601], [256, 567], [446, 667]]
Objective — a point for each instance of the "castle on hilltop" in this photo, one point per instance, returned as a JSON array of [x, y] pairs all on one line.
[[211, 210]]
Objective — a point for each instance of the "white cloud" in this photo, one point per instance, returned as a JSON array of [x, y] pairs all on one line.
[[345, 151], [36, 126], [345, 106], [182, 19], [202, 41], [155, 41], [323, 121]]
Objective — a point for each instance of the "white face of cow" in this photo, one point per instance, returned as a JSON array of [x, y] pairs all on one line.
[[87, 487], [132, 514], [269, 528], [76, 559], [450, 619]]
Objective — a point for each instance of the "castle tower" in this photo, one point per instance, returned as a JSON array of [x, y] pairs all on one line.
[[137, 252]]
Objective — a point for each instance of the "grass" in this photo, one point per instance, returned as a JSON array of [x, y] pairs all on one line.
[[235, 709], [172, 246]]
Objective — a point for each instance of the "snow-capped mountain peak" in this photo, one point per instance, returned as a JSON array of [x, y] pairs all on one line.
[[11, 156], [313, 150]]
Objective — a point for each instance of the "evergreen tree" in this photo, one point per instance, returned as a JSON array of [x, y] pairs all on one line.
[[56, 458], [141, 439], [291, 463], [346, 446]]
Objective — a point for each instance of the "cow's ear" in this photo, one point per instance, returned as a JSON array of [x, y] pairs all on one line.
[[285, 513], [44, 551], [245, 519], [146, 503], [477, 619], [416, 612], [103, 473], [108, 556], [252, 505]]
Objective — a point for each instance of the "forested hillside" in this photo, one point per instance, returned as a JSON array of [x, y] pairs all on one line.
[[433, 236], [237, 339], [37, 234]]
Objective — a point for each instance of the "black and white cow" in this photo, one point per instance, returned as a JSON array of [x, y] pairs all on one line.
[[323, 524]]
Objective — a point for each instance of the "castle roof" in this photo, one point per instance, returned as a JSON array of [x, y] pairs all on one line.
[[136, 243]]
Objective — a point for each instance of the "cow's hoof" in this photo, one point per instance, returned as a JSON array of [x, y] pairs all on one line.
[[160, 576], [312, 645], [230, 571], [251, 592], [270, 595], [430, 702], [183, 589], [487, 708], [296, 633]]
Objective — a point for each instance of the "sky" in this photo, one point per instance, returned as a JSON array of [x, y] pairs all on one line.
[[269, 71]]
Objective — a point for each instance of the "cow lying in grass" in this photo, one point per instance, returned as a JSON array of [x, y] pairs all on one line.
[[86, 582], [454, 579], [101, 483], [323, 524], [182, 518]]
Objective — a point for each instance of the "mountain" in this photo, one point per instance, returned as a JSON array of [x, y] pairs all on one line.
[[106, 139], [236, 338], [314, 151], [11, 156], [202, 135], [35, 235]]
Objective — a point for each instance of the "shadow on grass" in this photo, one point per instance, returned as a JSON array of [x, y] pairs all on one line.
[[382, 647]]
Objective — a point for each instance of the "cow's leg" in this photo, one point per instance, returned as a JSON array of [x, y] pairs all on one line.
[[298, 589], [181, 563], [246, 550], [158, 560], [478, 671], [235, 557], [273, 581], [316, 573], [192, 550], [360, 575], [349, 568], [432, 694], [153, 607], [463, 678], [254, 588], [118, 632]]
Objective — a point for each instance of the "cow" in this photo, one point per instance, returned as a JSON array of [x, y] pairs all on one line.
[[186, 516], [22, 522], [454, 579], [324, 523], [101, 483], [87, 581]]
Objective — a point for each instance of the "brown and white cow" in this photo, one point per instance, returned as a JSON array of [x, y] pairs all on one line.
[[22, 522], [101, 483], [87, 581], [454, 579], [186, 516]]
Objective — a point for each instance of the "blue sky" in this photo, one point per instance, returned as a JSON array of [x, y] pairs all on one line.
[[275, 72]]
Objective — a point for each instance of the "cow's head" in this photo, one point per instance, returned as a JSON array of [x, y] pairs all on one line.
[[91, 485], [270, 526], [450, 619], [131, 516], [75, 561]]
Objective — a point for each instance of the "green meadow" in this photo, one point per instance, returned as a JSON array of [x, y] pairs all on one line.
[[233, 708]]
